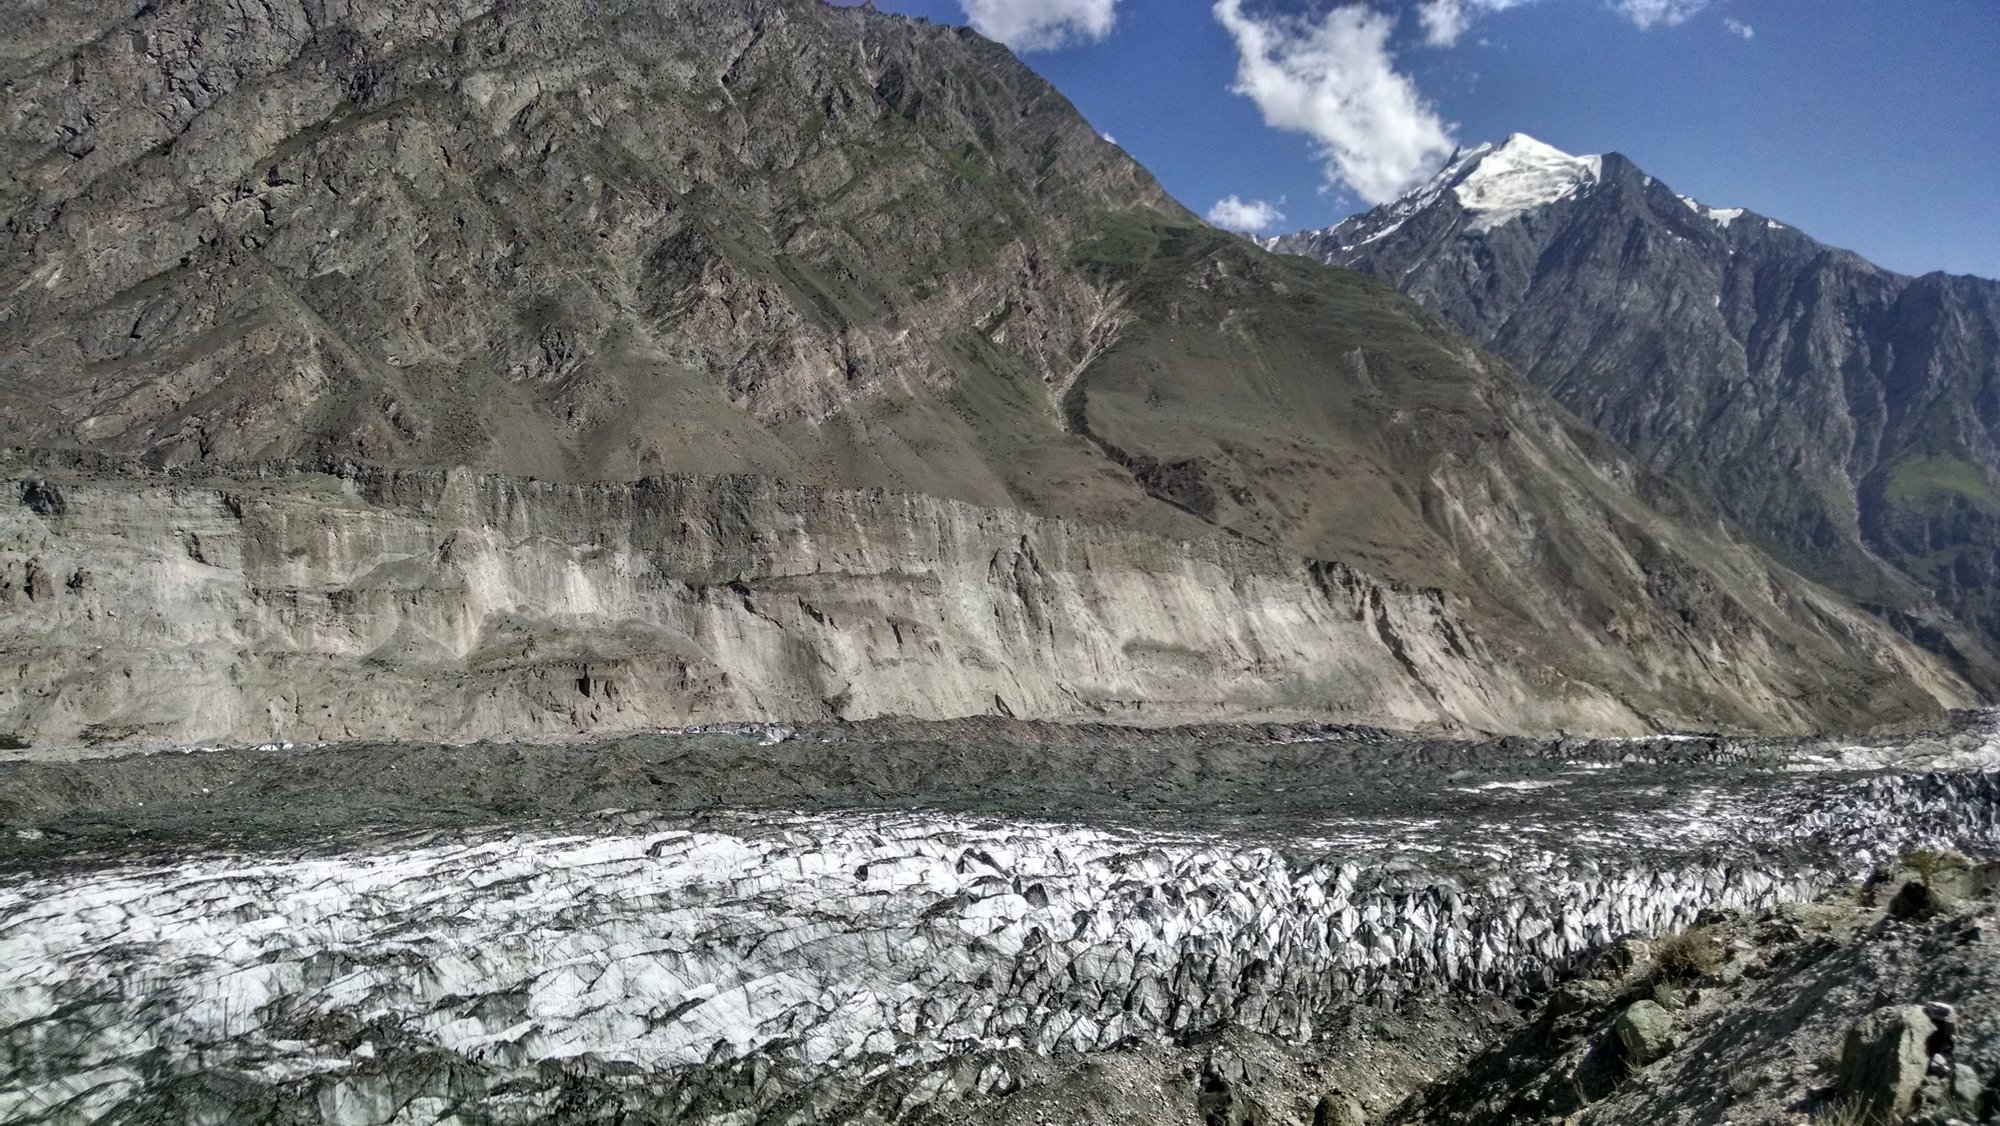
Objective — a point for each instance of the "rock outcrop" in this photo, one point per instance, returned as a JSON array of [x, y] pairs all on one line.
[[1882, 1064], [1793, 1027]]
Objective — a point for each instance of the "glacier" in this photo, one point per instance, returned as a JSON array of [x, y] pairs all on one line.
[[789, 966]]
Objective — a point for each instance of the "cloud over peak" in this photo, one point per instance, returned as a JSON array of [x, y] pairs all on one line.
[[1334, 79], [1248, 216], [1041, 25]]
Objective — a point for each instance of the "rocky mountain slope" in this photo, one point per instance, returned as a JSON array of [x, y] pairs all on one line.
[[1845, 414], [1873, 1005], [591, 243]]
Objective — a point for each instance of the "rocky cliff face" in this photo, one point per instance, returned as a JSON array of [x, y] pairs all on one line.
[[458, 606], [447, 604], [1845, 414], [591, 243]]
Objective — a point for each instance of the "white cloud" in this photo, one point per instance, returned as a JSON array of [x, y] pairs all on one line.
[[1249, 216], [1738, 27], [1658, 13], [1041, 25], [1445, 20], [1334, 80], [1108, 138]]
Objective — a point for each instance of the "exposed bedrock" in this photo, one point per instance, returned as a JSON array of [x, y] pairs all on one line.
[[797, 968], [413, 603]]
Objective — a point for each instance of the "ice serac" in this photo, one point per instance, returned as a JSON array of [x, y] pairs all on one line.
[[596, 243], [1840, 412]]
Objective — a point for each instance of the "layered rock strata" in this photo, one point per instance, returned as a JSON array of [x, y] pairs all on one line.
[[457, 605]]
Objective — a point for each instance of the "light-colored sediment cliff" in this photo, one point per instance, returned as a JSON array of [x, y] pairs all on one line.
[[452, 605], [462, 606]]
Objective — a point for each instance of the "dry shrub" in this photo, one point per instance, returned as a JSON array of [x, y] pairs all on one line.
[[1688, 955]]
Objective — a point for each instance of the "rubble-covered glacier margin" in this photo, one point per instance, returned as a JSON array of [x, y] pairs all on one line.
[[763, 967]]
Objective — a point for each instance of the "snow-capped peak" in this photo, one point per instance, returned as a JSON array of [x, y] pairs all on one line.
[[1499, 184], [1493, 184]]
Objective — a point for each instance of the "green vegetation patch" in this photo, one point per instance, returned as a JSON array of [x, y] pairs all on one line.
[[1924, 480], [1145, 246], [968, 162]]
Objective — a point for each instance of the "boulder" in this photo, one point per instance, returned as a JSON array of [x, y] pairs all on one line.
[[1579, 996], [1646, 1032], [1883, 1062], [1621, 958], [1916, 900], [1338, 1108], [1223, 1098], [1966, 1086]]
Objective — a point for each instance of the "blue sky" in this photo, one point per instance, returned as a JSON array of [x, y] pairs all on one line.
[[1867, 124]]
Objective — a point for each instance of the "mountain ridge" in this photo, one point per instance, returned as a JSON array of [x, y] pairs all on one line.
[[1465, 161], [1842, 413], [598, 243]]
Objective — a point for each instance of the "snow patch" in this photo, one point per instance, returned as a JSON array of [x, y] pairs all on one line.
[[1720, 216]]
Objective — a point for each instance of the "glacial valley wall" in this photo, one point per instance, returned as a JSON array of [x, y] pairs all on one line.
[[449, 605]]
